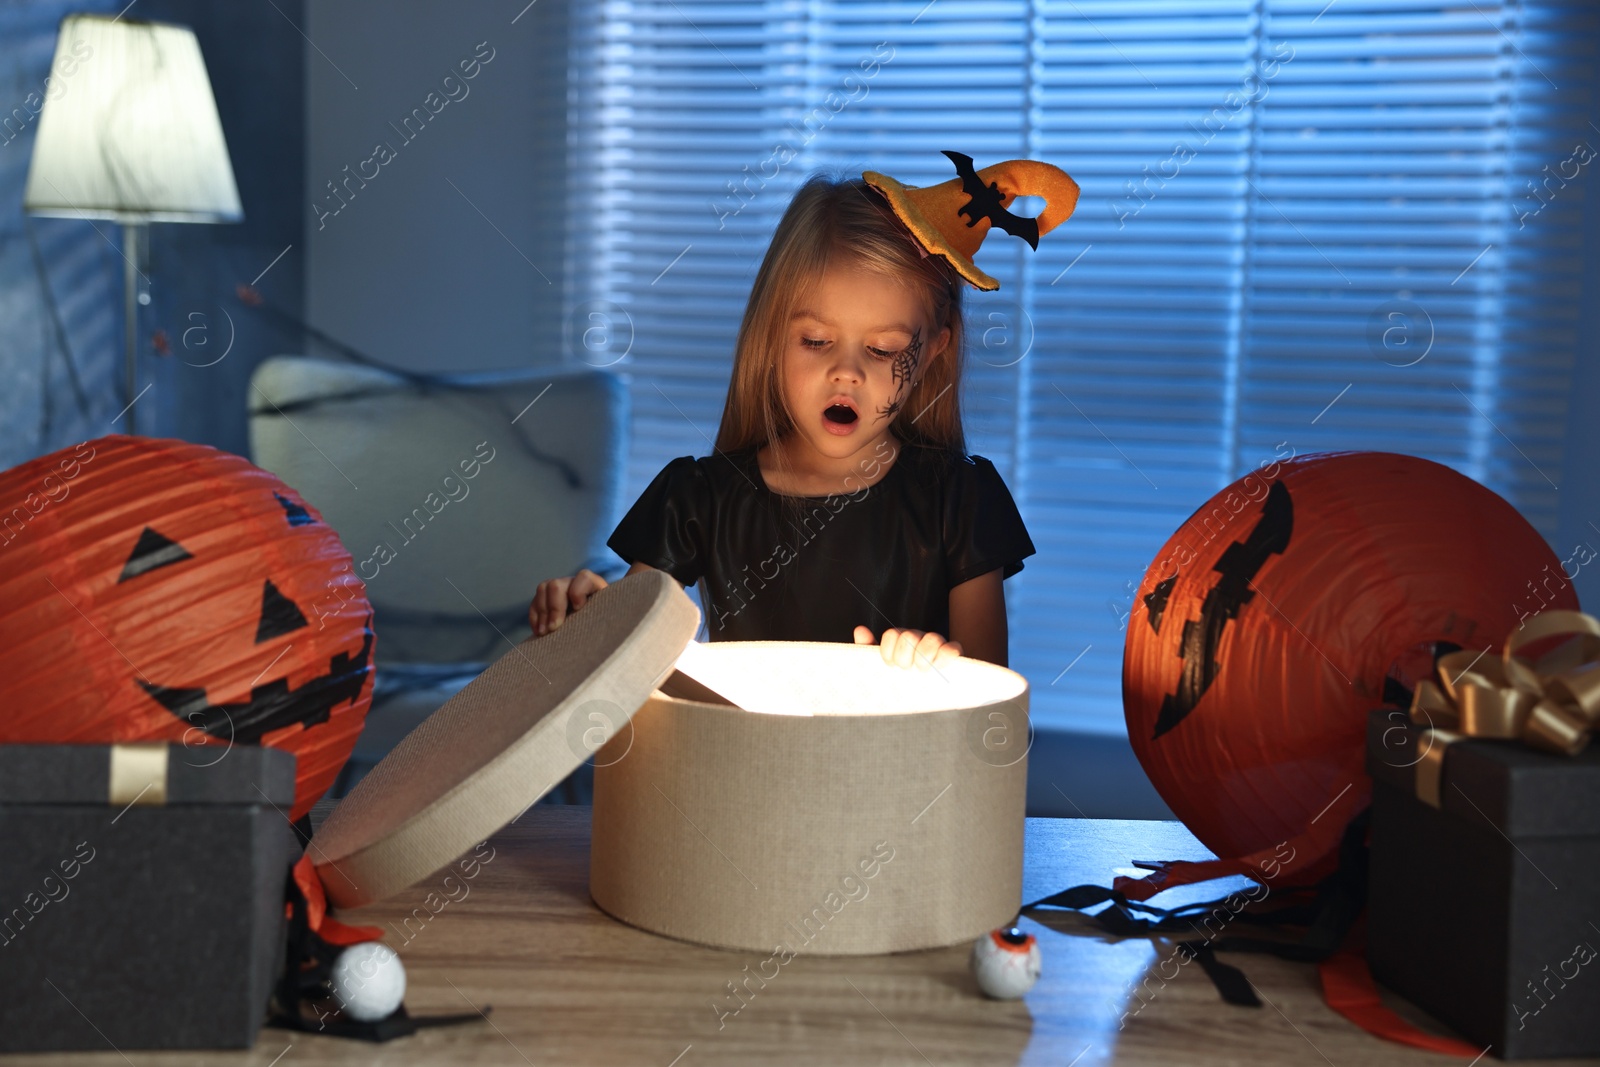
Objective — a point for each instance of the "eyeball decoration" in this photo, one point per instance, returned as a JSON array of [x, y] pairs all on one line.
[[369, 981], [1006, 963]]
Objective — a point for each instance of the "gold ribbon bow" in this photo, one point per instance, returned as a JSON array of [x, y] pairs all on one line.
[[1551, 704]]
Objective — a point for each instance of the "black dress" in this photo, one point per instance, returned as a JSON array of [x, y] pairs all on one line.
[[787, 568]]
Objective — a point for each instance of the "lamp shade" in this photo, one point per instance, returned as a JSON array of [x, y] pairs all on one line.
[[133, 133]]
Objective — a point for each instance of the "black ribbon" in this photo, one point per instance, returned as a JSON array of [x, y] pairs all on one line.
[[1325, 910]]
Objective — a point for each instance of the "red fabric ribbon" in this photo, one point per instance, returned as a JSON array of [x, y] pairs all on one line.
[[1348, 989], [1299, 861], [321, 923], [1178, 872], [1347, 984]]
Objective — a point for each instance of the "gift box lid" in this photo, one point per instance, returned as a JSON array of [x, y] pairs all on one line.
[[504, 741], [1521, 791], [146, 773]]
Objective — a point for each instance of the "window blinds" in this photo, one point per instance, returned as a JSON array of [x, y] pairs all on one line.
[[1303, 227]]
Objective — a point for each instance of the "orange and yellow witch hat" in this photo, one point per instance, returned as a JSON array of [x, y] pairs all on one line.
[[952, 219]]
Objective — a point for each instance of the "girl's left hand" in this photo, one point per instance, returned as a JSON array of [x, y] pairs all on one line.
[[907, 647]]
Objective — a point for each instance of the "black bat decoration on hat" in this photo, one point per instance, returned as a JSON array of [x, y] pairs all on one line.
[[985, 203]]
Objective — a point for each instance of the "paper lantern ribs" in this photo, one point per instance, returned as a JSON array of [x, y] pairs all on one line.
[[1289, 606], [155, 590]]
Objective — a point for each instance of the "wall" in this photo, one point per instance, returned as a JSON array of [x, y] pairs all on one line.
[[255, 58], [447, 254]]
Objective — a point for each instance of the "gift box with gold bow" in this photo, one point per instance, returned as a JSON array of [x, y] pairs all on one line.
[[141, 893], [1484, 884]]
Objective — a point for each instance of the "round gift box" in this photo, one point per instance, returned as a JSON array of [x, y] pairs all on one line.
[[836, 805]]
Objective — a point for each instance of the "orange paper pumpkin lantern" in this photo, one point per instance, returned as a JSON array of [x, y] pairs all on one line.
[[162, 590], [1276, 617]]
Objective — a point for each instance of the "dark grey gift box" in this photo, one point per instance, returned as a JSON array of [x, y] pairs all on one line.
[[1483, 911], [145, 926]]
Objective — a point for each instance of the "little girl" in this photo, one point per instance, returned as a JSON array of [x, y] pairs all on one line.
[[839, 500]]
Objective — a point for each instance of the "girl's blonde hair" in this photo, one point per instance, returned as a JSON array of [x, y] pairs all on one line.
[[832, 220]]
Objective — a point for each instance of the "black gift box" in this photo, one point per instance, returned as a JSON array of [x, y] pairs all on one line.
[[141, 925], [1484, 910]]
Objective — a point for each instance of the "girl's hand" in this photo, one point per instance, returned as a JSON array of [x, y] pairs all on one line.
[[905, 647], [557, 595]]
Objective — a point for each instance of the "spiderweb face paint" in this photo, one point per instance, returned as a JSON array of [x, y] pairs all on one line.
[[900, 372]]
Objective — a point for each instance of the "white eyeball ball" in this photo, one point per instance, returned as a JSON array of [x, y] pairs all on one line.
[[1006, 962], [369, 981]]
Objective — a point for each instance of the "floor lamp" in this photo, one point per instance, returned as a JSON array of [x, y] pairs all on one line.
[[129, 132]]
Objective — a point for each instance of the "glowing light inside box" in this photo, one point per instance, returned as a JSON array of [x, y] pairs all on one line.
[[803, 678]]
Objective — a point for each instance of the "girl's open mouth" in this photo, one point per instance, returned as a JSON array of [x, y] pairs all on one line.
[[839, 418]]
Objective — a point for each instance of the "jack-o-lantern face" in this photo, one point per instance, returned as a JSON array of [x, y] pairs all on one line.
[[1288, 607], [165, 590], [272, 705]]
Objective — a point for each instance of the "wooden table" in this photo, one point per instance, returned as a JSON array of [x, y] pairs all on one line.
[[570, 985]]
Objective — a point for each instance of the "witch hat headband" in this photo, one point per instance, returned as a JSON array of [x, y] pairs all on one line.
[[952, 219]]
